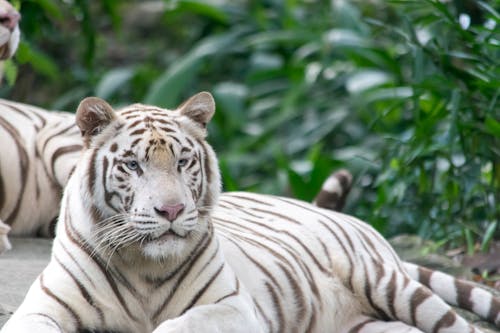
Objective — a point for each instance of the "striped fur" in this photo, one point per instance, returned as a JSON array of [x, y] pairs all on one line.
[[39, 150], [457, 292], [126, 258], [461, 293]]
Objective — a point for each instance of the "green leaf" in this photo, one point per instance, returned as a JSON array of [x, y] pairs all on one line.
[[166, 90], [229, 183], [492, 126], [298, 185], [277, 37], [38, 60], [488, 236], [10, 71], [469, 241], [363, 80], [113, 80], [51, 8], [205, 9], [490, 10]]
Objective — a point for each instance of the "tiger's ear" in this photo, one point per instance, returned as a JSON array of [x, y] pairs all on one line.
[[200, 108], [92, 116]]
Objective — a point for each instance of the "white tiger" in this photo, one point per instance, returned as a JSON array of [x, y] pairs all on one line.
[[144, 244], [38, 152]]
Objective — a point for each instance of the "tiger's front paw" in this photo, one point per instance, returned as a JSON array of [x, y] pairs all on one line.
[[4, 240]]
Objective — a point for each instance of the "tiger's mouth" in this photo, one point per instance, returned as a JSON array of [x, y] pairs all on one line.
[[167, 235]]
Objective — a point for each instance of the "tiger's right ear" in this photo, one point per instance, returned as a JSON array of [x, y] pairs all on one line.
[[92, 116]]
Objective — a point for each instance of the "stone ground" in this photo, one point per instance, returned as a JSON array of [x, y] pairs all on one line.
[[20, 266]]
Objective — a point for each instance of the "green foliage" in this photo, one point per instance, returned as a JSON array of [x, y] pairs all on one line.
[[405, 94]]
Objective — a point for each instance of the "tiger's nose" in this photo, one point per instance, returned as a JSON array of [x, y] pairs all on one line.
[[10, 18], [170, 212]]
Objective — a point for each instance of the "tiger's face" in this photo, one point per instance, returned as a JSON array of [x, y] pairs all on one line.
[[9, 30], [151, 174]]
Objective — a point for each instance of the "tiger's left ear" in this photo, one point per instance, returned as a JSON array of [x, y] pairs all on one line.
[[200, 108], [92, 116]]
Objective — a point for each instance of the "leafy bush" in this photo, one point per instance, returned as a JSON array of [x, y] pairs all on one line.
[[402, 93]]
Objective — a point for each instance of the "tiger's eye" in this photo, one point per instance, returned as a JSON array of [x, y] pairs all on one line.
[[182, 162], [132, 165]]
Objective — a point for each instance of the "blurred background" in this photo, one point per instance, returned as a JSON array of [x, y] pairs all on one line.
[[404, 94]]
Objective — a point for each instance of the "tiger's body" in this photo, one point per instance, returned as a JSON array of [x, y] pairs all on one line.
[[39, 151], [143, 244]]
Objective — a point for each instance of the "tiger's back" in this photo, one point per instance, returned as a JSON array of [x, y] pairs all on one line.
[[290, 266]]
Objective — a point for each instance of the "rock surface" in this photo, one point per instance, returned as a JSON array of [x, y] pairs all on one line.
[[20, 267]]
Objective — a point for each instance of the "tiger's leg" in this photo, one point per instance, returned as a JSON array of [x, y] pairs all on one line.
[[235, 314], [393, 295], [364, 324], [35, 322], [4, 240]]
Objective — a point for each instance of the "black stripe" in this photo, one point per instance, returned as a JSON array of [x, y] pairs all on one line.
[[447, 320], [418, 297], [184, 270], [277, 307], [300, 299], [234, 293], [57, 135], [391, 293], [202, 291], [65, 305], [85, 294], [361, 325], [264, 270], [242, 197], [60, 152], [24, 164], [79, 241]]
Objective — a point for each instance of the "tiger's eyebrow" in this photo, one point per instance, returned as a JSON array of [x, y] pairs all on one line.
[[128, 153], [185, 150]]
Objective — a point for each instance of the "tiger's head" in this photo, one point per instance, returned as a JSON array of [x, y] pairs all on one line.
[[9, 29], [148, 174]]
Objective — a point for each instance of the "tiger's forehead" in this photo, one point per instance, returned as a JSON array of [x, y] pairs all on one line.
[[159, 130], [139, 119], [148, 115]]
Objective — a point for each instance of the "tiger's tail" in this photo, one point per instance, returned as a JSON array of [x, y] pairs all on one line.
[[334, 191], [458, 292]]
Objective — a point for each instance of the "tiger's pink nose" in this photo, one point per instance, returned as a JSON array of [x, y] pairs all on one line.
[[10, 18], [170, 212]]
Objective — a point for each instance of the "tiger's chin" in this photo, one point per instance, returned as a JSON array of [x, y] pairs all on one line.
[[170, 246]]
